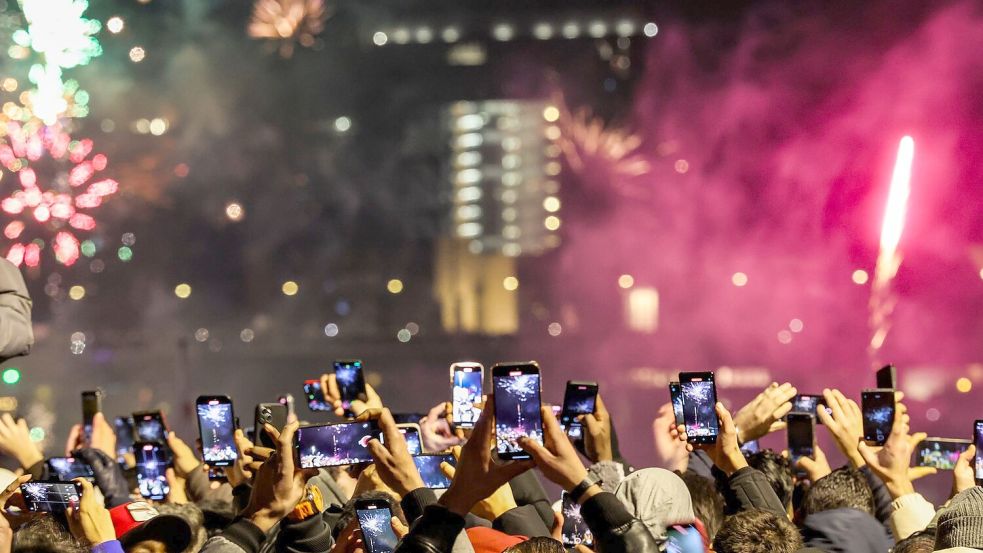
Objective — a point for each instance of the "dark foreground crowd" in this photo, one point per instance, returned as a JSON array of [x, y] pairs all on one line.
[[754, 503]]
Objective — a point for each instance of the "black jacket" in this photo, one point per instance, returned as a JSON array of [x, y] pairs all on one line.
[[845, 531]]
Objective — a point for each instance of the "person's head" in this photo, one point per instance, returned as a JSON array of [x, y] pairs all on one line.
[[141, 528], [844, 488], [217, 515], [708, 503], [44, 534], [919, 542], [195, 519], [537, 545], [348, 521], [960, 523], [777, 470], [757, 531], [657, 497]]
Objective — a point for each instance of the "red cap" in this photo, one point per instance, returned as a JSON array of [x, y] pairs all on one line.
[[139, 521], [489, 540]]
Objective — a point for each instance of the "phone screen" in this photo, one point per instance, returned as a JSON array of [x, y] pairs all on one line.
[[330, 445], [684, 538], [575, 530], [376, 523], [579, 398], [801, 439], [50, 497], [517, 408], [351, 383], [676, 396], [67, 468], [216, 425], [978, 438], [941, 454], [750, 447], [809, 403], [411, 433], [91, 404], [124, 434], [149, 427], [429, 468], [152, 461], [887, 377], [466, 390], [699, 407], [315, 397], [878, 411]]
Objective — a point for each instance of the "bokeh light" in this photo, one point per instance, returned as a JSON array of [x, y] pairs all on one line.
[[182, 290], [125, 253], [290, 288], [247, 335], [137, 54], [331, 330], [114, 24], [739, 279], [394, 286], [76, 292], [626, 281], [201, 334], [795, 325], [551, 114], [403, 335], [11, 375], [554, 329], [860, 276], [964, 384], [36, 434], [552, 222], [784, 336], [234, 211], [510, 283], [650, 29], [342, 124]]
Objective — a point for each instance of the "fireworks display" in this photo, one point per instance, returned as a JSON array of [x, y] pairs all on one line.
[[55, 188], [288, 22], [888, 258]]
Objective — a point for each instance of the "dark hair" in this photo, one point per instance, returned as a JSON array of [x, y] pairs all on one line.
[[777, 470], [919, 542], [844, 488], [348, 511], [537, 545], [708, 503], [217, 514], [45, 535], [195, 518], [756, 531]]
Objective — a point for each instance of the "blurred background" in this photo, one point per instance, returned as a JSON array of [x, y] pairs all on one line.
[[242, 191]]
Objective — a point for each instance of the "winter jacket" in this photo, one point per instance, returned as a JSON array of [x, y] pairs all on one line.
[[911, 513], [614, 529], [845, 531], [528, 490], [108, 476], [748, 488], [199, 487], [311, 535]]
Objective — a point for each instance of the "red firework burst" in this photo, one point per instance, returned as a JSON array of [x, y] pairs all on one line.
[[49, 211]]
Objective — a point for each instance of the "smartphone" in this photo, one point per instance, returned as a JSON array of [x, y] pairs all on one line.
[[978, 461], [411, 433], [375, 520], [887, 377], [50, 497], [315, 396], [408, 418], [65, 469], [466, 390], [217, 474], [91, 404], [575, 531], [217, 428], [699, 407], [152, 461], [273, 414], [809, 403], [878, 411], [676, 397], [149, 426], [330, 445], [801, 431], [124, 435], [579, 398], [517, 407], [351, 383], [750, 447], [684, 538], [287, 400], [941, 453], [428, 466]]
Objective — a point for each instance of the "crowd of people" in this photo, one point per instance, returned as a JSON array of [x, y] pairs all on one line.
[[739, 503]]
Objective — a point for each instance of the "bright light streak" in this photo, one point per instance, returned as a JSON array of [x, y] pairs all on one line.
[[894, 213]]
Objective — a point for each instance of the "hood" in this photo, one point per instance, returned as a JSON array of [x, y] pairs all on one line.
[[845, 531], [657, 497]]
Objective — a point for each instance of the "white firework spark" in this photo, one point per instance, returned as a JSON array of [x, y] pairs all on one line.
[[288, 22]]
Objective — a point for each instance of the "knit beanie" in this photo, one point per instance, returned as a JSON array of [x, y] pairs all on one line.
[[960, 524]]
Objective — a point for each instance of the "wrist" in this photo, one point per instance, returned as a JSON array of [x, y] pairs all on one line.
[[456, 501], [264, 519], [899, 488], [734, 463], [589, 493], [28, 459]]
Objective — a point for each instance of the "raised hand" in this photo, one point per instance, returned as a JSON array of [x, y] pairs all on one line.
[[670, 452], [815, 468], [964, 475], [279, 485], [764, 413], [89, 521], [495, 505], [435, 430], [556, 458], [891, 462], [332, 395], [597, 438], [393, 461], [845, 424], [15, 441], [726, 452], [185, 460]]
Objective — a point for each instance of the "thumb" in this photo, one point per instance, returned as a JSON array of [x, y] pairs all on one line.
[[557, 530], [448, 470], [914, 473], [593, 426], [538, 452], [868, 453]]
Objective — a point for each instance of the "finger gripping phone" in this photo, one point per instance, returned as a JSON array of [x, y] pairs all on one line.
[[330, 445], [941, 453], [466, 390], [273, 414], [315, 396], [517, 407], [676, 397], [579, 398], [575, 530], [978, 461], [50, 497], [878, 412], [124, 435], [217, 427], [411, 434], [428, 465], [66, 469], [152, 460], [699, 407], [351, 383], [375, 520], [801, 432], [149, 426], [91, 404]]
